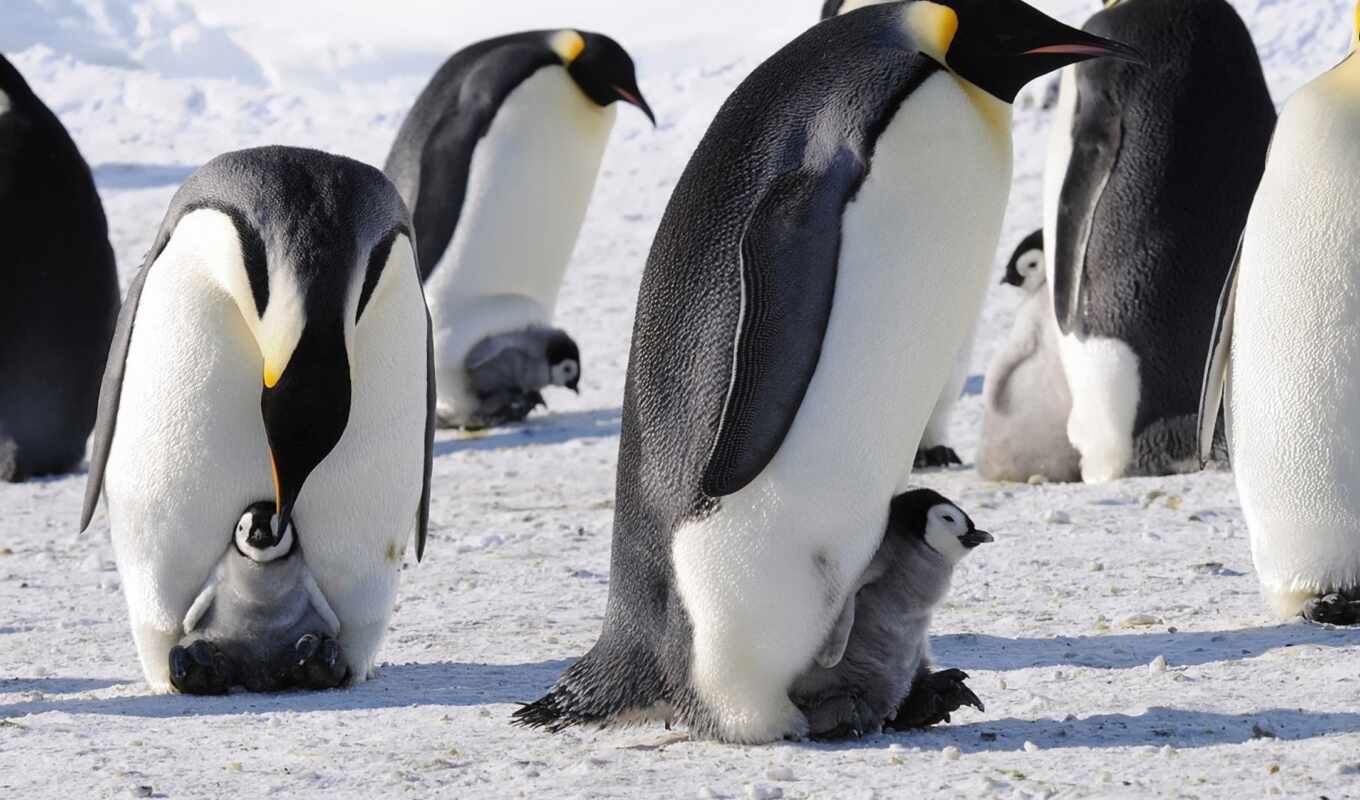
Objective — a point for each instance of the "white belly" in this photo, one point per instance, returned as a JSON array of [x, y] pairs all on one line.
[[529, 185], [1294, 403], [916, 252]]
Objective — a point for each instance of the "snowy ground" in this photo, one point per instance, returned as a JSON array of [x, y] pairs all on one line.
[[1114, 632]]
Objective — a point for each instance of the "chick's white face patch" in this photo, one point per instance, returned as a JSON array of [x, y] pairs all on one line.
[[945, 525]]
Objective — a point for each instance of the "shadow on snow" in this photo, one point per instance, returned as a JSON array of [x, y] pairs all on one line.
[[538, 431]]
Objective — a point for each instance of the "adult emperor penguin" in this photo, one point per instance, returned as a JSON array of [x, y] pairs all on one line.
[[1287, 356], [1025, 397], [497, 161], [274, 344], [934, 449], [1138, 244], [58, 289], [809, 284]]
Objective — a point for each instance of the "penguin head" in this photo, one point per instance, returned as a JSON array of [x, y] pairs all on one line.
[[304, 244], [601, 67], [258, 539], [1026, 267], [927, 516], [1001, 45], [564, 361]]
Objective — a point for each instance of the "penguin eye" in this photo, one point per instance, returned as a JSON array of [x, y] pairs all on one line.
[[949, 518]]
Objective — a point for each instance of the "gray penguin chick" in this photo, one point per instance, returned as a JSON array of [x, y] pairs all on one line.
[[1025, 397], [508, 371], [874, 669], [261, 621]]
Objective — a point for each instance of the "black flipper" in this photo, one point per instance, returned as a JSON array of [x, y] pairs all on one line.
[[446, 160], [111, 394], [1097, 134], [423, 511], [1216, 370], [789, 251]]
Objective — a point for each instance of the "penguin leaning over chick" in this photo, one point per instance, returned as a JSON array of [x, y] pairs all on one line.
[[874, 669]]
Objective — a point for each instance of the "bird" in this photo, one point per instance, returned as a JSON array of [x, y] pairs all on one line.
[[497, 160], [59, 293], [1149, 177], [874, 668], [1025, 397], [507, 372], [810, 283], [275, 342], [1282, 363]]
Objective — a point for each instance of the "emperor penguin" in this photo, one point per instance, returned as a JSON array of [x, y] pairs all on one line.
[[934, 449], [1025, 396], [812, 279], [274, 344], [58, 289], [497, 161], [1284, 364], [874, 671], [1149, 177]]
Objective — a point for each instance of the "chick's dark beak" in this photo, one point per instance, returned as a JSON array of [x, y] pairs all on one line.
[[975, 537]]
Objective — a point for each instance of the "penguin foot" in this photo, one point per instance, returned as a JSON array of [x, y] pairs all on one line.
[[842, 716], [200, 668], [934, 696], [935, 457], [1334, 609], [317, 663]]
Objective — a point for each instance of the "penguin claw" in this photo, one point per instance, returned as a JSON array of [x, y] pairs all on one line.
[[936, 457], [201, 669], [318, 664], [1334, 609], [842, 717], [933, 699]]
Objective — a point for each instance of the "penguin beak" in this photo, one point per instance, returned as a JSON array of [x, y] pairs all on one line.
[[974, 538], [1095, 48], [634, 97], [305, 413]]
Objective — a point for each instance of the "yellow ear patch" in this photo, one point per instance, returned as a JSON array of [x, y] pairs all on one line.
[[567, 45], [932, 27], [1357, 19]]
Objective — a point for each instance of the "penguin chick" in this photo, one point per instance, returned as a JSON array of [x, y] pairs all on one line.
[[508, 371], [874, 668], [261, 620]]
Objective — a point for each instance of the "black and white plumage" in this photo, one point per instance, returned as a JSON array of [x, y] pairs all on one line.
[[1025, 397], [874, 668], [786, 357], [507, 372], [1149, 178], [58, 289], [498, 160], [275, 343]]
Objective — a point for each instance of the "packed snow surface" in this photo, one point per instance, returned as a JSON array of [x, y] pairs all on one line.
[[1115, 632]]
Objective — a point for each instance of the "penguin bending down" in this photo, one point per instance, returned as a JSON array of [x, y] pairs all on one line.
[[1285, 361], [261, 621], [1024, 425], [507, 371], [813, 277], [497, 161], [874, 668], [58, 289], [1150, 174], [274, 343]]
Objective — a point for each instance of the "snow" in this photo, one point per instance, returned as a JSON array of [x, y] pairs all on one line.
[[1115, 632]]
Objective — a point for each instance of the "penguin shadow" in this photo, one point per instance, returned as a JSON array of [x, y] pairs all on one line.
[[547, 429], [395, 686], [129, 175], [967, 651]]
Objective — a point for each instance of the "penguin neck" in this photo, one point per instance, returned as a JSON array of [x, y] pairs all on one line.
[[996, 114]]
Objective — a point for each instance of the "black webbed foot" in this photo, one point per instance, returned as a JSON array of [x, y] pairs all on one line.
[[1334, 609], [200, 668], [934, 457], [317, 663], [842, 716], [934, 696]]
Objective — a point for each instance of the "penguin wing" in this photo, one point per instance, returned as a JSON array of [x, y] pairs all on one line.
[[446, 158], [319, 602], [1216, 370], [1097, 137], [833, 649], [789, 254], [110, 394], [431, 398]]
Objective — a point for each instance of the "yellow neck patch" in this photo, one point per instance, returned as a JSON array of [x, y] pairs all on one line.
[[567, 45], [1357, 20], [932, 27], [1111, 3]]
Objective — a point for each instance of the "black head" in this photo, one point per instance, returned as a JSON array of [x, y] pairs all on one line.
[[1001, 45], [1026, 265], [927, 516], [564, 361], [601, 67], [831, 8]]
